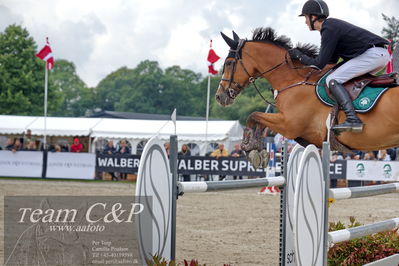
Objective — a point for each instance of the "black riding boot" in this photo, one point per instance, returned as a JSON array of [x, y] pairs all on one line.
[[352, 123]]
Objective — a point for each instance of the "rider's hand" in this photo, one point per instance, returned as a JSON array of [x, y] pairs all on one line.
[[295, 53]]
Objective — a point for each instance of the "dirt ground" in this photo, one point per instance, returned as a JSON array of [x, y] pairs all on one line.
[[233, 227]]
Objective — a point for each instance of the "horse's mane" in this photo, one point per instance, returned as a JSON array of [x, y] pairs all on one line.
[[269, 35]]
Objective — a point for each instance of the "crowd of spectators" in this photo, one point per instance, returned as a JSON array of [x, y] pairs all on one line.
[[380, 155], [15, 144]]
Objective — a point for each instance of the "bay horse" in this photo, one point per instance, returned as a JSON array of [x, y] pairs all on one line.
[[301, 114]]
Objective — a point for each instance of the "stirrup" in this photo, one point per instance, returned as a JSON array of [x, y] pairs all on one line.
[[355, 127]]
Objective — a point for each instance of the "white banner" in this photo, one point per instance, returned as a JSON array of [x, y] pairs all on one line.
[[372, 170], [21, 163], [71, 165]]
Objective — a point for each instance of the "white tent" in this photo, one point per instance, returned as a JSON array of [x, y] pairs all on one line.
[[11, 124], [136, 131]]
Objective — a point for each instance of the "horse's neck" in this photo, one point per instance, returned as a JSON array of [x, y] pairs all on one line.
[[269, 56]]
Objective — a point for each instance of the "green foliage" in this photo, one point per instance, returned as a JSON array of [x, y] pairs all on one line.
[[76, 97], [362, 250], [391, 31], [22, 75], [149, 89], [145, 89]]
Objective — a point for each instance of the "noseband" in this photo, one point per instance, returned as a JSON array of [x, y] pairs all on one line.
[[251, 79]]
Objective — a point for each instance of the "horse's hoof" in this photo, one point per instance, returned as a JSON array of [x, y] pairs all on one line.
[[254, 158], [265, 158]]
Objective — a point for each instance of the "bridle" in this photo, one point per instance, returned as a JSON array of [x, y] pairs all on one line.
[[252, 79]]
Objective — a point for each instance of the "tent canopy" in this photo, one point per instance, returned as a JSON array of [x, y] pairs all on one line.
[[221, 130]]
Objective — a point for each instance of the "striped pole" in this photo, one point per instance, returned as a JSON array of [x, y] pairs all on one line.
[[192, 187], [360, 231], [359, 192]]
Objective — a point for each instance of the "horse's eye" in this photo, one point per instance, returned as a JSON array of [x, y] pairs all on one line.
[[228, 63]]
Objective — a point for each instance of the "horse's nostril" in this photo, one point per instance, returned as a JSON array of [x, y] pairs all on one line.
[[217, 97]]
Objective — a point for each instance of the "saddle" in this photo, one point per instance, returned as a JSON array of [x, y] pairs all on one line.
[[356, 85]]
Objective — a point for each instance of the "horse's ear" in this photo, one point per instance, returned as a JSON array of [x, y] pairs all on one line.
[[235, 36], [232, 43]]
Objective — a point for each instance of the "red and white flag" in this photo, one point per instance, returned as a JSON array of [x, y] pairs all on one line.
[[212, 58], [390, 63], [47, 55]]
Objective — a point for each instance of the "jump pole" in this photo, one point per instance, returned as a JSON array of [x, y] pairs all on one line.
[[195, 187], [304, 164]]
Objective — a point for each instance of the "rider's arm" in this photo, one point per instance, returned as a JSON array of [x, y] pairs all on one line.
[[329, 40]]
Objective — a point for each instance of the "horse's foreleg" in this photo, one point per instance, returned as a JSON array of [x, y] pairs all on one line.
[[256, 123], [252, 142]]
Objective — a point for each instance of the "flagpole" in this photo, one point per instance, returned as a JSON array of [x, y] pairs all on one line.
[[45, 107], [207, 113]]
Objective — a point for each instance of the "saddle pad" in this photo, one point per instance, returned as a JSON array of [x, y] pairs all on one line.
[[362, 104]]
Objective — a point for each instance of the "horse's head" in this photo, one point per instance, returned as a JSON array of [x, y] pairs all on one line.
[[236, 73]]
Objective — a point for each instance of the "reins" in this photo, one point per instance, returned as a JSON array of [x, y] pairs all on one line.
[[252, 79]]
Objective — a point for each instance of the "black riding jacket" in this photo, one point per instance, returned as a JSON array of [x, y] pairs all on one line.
[[342, 39]]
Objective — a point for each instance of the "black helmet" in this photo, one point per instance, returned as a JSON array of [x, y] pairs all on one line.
[[315, 7]]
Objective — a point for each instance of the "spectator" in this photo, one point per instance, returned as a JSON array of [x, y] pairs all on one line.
[[336, 156], [31, 146], [383, 155], [167, 148], [28, 137], [392, 154], [57, 148], [17, 145], [237, 153], [123, 149], [76, 146], [218, 153], [110, 149], [185, 152], [10, 144], [369, 156]]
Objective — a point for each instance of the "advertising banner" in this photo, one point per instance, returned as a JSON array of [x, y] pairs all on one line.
[[21, 164], [187, 165], [338, 169], [71, 165], [373, 170], [223, 166], [122, 163]]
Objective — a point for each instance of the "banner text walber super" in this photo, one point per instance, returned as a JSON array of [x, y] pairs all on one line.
[[186, 165]]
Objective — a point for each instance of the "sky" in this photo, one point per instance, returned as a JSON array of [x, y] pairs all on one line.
[[100, 36]]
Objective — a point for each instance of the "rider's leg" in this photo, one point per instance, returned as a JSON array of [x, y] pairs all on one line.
[[374, 58], [352, 123]]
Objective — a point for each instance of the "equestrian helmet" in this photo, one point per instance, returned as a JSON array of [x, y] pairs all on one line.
[[315, 7]]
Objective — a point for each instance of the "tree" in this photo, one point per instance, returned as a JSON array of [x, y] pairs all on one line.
[[391, 31], [149, 89], [108, 91], [22, 75], [76, 97]]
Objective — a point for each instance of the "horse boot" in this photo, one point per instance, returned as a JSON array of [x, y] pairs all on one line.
[[352, 122]]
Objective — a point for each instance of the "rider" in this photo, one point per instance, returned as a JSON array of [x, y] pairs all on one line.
[[362, 51]]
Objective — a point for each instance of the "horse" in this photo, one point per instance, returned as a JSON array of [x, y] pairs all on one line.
[[302, 116]]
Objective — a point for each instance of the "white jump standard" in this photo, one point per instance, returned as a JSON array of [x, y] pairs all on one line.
[[304, 236]]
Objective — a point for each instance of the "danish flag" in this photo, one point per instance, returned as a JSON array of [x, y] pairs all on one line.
[[390, 62], [212, 58], [47, 55]]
